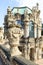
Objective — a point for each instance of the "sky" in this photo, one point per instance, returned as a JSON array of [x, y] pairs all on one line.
[[14, 3]]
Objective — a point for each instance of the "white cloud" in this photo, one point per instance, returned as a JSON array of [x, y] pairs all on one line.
[[31, 3]]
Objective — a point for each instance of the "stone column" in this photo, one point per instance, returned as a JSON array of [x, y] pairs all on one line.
[[26, 29], [28, 55], [39, 32], [27, 51], [26, 33], [40, 53], [35, 35], [36, 54], [35, 31], [26, 24], [24, 51]]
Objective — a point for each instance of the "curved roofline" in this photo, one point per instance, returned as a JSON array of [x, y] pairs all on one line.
[[21, 7]]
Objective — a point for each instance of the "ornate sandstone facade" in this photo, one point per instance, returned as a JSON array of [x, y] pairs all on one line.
[[22, 32]]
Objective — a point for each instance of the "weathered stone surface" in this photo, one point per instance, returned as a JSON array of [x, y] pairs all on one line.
[[17, 26]]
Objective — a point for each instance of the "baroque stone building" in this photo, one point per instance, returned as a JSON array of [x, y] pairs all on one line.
[[22, 29]]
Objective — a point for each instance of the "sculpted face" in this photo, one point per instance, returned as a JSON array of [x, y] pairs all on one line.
[[13, 35]]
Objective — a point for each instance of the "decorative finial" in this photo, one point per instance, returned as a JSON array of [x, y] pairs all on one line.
[[17, 10], [26, 16], [37, 5], [26, 11], [8, 9]]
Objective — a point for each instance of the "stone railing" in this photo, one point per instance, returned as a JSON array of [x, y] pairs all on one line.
[[22, 61]]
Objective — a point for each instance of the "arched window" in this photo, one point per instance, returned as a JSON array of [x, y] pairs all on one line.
[[31, 29], [20, 22]]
